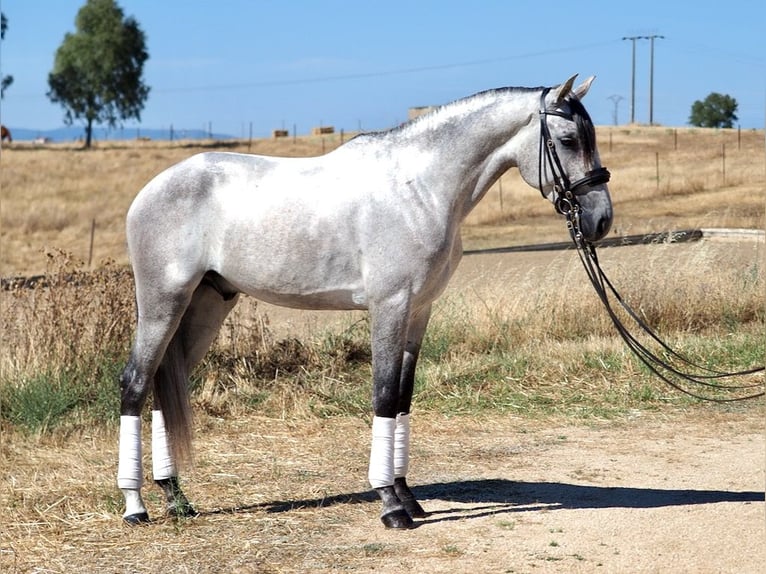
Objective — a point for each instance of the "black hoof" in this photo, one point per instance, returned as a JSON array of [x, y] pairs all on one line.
[[408, 500], [414, 509], [397, 519], [137, 519], [178, 506]]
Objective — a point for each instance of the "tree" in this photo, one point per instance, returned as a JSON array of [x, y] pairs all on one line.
[[97, 71], [716, 111], [6, 80]]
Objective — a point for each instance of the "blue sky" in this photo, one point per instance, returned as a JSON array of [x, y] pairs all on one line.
[[355, 64]]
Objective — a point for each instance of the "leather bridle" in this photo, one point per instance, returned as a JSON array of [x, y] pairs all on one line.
[[667, 364], [564, 192]]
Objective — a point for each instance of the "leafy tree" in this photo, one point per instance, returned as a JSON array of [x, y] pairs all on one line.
[[6, 80], [715, 111], [97, 72]]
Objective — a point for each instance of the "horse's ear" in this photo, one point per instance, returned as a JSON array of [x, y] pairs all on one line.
[[560, 93], [583, 88]]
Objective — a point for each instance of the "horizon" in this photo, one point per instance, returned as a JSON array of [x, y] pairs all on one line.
[[361, 67]]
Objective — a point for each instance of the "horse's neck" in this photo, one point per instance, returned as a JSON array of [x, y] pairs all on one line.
[[471, 143]]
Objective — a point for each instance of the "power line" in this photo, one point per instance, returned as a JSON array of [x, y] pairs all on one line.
[[381, 73], [358, 75]]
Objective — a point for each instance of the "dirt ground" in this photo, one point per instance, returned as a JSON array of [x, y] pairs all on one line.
[[677, 491], [671, 492]]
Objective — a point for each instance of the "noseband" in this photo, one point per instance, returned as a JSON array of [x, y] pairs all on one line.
[[565, 192]]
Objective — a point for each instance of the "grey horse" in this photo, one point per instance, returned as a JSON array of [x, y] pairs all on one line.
[[374, 224]]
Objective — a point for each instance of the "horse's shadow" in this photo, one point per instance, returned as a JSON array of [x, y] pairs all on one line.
[[500, 496]]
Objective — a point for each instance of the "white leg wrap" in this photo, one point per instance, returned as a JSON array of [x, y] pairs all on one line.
[[130, 475], [162, 459], [382, 452], [402, 445]]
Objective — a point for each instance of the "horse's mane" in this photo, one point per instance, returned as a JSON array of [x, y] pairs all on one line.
[[579, 115]]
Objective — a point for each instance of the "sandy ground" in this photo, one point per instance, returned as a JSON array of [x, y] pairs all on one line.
[[672, 492], [643, 496]]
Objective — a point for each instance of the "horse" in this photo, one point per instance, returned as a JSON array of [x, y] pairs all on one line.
[[5, 134], [373, 225]]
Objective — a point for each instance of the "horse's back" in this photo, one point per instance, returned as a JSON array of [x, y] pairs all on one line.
[[271, 226]]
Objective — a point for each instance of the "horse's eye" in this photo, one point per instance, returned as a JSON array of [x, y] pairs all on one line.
[[568, 142]]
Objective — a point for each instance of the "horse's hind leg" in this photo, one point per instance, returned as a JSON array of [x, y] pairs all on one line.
[[209, 306], [157, 320]]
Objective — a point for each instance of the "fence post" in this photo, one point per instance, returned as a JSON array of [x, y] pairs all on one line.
[[657, 168], [92, 235]]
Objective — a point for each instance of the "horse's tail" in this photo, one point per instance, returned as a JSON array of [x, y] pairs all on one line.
[[171, 392]]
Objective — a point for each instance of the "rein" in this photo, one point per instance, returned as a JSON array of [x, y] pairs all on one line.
[[565, 201], [701, 376]]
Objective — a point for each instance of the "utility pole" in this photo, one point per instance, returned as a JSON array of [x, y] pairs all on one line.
[[616, 99], [651, 76], [633, 77]]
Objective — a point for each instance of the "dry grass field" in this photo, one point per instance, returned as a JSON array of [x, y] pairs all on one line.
[[540, 444], [50, 196]]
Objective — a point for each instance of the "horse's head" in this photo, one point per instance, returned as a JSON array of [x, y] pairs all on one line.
[[568, 168]]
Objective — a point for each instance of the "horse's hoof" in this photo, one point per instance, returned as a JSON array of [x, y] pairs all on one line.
[[137, 519], [414, 509], [397, 519], [408, 500]]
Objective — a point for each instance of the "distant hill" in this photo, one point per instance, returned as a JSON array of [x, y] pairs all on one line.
[[74, 133]]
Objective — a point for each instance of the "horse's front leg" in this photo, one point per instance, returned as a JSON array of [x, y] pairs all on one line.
[[389, 454], [417, 329]]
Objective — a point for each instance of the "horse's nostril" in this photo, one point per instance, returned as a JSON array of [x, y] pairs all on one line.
[[603, 226]]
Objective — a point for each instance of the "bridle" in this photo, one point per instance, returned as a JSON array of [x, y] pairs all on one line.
[[566, 203], [564, 192]]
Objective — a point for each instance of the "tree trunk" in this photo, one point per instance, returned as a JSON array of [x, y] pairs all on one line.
[[88, 132]]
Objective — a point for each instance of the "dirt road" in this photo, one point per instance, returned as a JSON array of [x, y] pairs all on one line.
[[678, 492]]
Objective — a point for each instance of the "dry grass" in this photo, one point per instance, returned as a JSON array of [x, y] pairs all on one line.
[[50, 196], [80, 335]]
